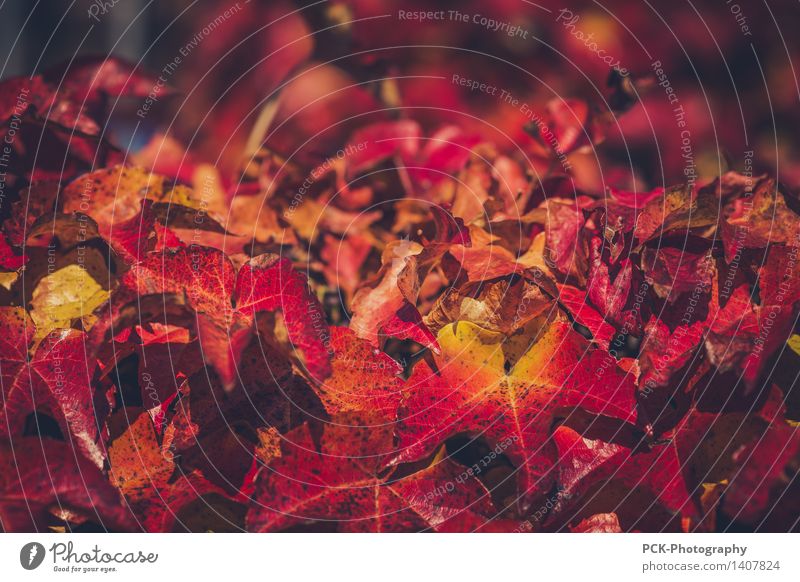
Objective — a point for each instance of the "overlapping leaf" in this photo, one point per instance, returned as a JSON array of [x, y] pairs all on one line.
[[510, 392]]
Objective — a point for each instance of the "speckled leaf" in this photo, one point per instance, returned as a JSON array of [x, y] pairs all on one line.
[[472, 393]]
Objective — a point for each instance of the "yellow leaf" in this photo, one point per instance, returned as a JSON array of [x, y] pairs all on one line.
[[473, 354], [305, 218], [138, 466], [269, 444], [8, 279], [66, 295], [794, 343]]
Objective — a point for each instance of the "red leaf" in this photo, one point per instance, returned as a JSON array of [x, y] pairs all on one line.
[[665, 353], [8, 258], [384, 140], [16, 334], [564, 245], [513, 410], [270, 283], [677, 271], [51, 477], [733, 331], [576, 303], [363, 379], [386, 305], [57, 381], [445, 152], [584, 462], [610, 297], [338, 484], [763, 473], [89, 80], [213, 429], [226, 303], [146, 475], [450, 229], [755, 216], [569, 126], [482, 263], [676, 209]]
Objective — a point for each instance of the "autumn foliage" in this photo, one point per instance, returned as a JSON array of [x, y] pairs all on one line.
[[412, 329]]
